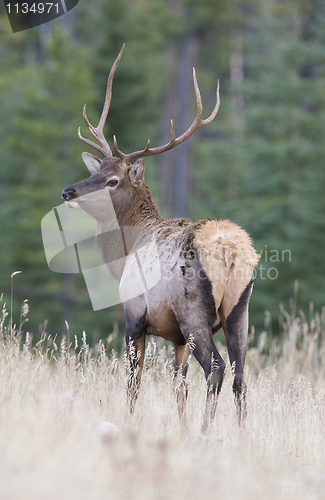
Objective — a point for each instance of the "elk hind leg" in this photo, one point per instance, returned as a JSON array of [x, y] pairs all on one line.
[[236, 332], [214, 367]]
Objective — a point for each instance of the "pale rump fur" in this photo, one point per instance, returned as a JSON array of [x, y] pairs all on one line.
[[228, 259]]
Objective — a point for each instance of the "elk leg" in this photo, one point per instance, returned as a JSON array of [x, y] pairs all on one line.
[[136, 348], [214, 366], [236, 332], [237, 346], [180, 385]]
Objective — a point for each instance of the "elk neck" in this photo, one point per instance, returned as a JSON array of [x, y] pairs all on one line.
[[141, 211]]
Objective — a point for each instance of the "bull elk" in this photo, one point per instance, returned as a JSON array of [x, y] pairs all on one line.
[[206, 267]]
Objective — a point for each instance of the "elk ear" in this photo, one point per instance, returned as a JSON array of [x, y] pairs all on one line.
[[92, 162], [136, 173]]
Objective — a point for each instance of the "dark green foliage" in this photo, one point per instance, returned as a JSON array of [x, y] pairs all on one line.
[[260, 163], [269, 153]]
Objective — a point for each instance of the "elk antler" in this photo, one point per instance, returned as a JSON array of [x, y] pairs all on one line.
[[104, 149], [197, 123]]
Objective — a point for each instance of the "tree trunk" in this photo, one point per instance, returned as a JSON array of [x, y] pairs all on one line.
[[237, 118], [183, 154], [175, 165], [167, 160]]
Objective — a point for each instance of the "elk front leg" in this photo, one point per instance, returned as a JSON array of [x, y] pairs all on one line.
[[136, 348], [180, 385]]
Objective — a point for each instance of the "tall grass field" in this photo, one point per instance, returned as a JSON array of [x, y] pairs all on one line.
[[66, 433]]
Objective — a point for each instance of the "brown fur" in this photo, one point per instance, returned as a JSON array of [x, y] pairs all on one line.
[[206, 278], [206, 267], [206, 281]]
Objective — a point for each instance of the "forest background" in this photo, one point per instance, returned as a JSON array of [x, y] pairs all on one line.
[[260, 163]]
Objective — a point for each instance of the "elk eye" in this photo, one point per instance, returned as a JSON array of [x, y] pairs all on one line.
[[112, 183]]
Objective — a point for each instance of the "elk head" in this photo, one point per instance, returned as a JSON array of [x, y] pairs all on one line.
[[122, 177]]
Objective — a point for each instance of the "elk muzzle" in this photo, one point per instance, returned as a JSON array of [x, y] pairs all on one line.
[[68, 194]]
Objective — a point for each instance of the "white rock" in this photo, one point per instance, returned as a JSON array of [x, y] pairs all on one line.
[[107, 429]]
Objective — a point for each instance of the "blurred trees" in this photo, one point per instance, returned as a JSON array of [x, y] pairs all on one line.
[[269, 150], [259, 163]]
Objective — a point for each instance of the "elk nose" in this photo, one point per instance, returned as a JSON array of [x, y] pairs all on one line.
[[68, 194]]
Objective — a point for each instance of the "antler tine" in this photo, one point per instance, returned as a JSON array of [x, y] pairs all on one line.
[[97, 132], [136, 154], [109, 91], [92, 144], [216, 109], [172, 131], [196, 124]]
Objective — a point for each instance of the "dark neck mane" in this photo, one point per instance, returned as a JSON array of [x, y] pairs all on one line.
[[142, 212]]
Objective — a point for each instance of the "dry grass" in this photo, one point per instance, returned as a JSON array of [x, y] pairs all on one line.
[[52, 399]]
